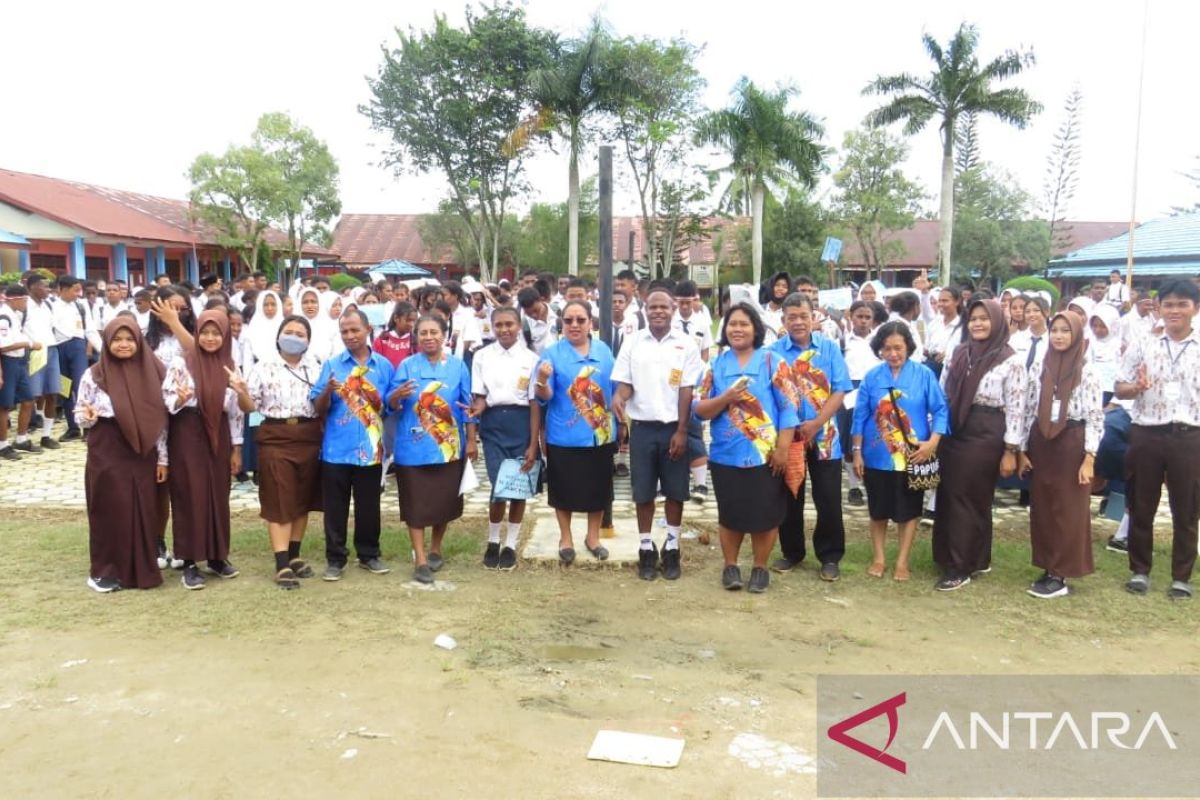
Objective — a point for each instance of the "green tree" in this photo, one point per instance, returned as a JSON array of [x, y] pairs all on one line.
[[995, 230], [305, 177], [1062, 172], [769, 147], [445, 230], [794, 231], [451, 98], [236, 193], [571, 91], [957, 86], [651, 90], [874, 196], [544, 234]]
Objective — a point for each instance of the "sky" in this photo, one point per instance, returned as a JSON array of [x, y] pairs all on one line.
[[126, 94]]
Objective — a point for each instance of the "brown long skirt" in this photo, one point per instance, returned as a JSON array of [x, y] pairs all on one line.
[[199, 481], [429, 494], [962, 526], [289, 470], [122, 507], [1060, 519]]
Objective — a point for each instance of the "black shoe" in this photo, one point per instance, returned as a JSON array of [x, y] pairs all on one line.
[[699, 494], [435, 561], [830, 572], [423, 574], [103, 585], [375, 566], [192, 579], [670, 564], [731, 578], [760, 579], [10, 454], [36, 421], [242, 477], [599, 552], [508, 560], [222, 569], [855, 497], [50, 444], [566, 556], [1048, 587], [785, 564], [1114, 544], [72, 435], [491, 556], [286, 579], [648, 563], [29, 446], [1023, 499], [333, 572], [950, 583], [300, 568], [621, 471]]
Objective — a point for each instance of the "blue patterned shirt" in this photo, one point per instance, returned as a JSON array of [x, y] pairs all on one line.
[[579, 414], [817, 371], [430, 428], [354, 423]]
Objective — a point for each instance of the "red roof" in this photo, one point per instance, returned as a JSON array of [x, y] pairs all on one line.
[[117, 214], [921, 242], [367, 239]]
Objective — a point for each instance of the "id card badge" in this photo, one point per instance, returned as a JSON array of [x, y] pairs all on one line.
[[676, 378], [1172, 391], [523, 383], [1055, 409]]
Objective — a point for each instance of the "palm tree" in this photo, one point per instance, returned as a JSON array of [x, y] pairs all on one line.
[[958, 86], [566, 94], [769, 147]]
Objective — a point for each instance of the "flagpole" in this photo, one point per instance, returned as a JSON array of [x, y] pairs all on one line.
[[1137, 142]]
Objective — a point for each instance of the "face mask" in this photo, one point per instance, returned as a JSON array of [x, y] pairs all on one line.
[[291, 345]]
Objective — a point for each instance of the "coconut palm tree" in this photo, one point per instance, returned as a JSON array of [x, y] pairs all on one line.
[[566, 94], [957, 87], [769, 147]]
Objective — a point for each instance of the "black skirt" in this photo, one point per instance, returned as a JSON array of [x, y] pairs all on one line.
[[504, 433], [580, 478], [749, 499], [970, 459], [888, 496], [429, 493]]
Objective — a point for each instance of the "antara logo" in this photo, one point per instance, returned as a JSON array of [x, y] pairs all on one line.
[[838, 732]]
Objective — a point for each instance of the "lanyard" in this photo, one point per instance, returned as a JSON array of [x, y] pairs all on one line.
[[303, 379], [1174, 359]]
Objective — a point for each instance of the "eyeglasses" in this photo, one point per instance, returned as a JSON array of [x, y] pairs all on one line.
[[576, 321]]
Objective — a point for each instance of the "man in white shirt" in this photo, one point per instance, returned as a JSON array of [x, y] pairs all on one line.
[[112, 304], [692, 318], [1141, 319], [654, 377], [14, 368], [45, 383], [535, 320], [72, 324], [1116, 294]]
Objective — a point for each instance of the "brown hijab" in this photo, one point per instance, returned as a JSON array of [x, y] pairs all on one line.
[[208, 373], [972, 360], [135, 386], [1061, 373]]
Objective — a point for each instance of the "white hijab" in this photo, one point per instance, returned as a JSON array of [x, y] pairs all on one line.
[[321, 325], [262, 331]]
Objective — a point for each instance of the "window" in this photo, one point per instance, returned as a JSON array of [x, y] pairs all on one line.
[[57, 264], [96, 267]]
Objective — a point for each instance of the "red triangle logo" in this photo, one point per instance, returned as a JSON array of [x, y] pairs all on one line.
[[838, 732]]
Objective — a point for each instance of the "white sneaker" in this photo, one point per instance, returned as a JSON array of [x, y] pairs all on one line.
[[103, 585], [176, 563]]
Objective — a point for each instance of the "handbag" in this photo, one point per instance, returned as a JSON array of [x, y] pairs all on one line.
[[921, 477]]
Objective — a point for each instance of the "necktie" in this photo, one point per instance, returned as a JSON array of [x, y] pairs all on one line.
[[1032, 351], [685, 324]]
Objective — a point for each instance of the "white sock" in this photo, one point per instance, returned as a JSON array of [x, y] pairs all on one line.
[[623, 457], [511, 534], [494, 532], [672, 542], [852, 480], [3, 443], [47, 426], [700, 475], [22, 438], [647, 542], [1123, 528]]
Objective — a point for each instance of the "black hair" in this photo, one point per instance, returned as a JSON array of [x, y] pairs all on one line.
[[506, 311], [686, 289], [587, 307], [1184, 290], [890, 329], [528, 297], [32, 278], [441, 322], [215, 302], [1040, 302], [543, 288], [258, 274], [626, 275], [66, 281], [143, 294], [15, 290], [90, 284], [1115, 272], [797, 300], [358, 312], [399, 311], [666, 284], [292, 318], [956, 293], [982, 294], [576, 282], [903, 303], [803, 280], [157, 329], [880, 311], [760, 330], [444, 307]]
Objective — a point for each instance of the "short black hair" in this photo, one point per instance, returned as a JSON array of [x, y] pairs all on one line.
[[258, 274], [576, 282], [442, 322], [890, 329], [797, 300], [686, 288], [292, 318], [760, 330], [15, 290], [90, 284], [803, 280], [528, 297], [1185, 290], [32, 278], [208, 279], [626, 275], [542, 285], [1115, 272], [66, 281], [500, 311], [903, 303], [357, 312]]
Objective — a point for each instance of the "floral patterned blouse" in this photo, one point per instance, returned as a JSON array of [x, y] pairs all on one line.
[[91, 395], [1086, 405], [1002, 387], [1173, 369], [179, 380], [280, 391]]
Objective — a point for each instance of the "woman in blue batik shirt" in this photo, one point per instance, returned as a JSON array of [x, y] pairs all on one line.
[[901, 414], [431, 390], [574, 386], [753, 420]]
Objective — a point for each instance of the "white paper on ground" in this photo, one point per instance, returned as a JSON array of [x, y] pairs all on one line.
[[636, 748]]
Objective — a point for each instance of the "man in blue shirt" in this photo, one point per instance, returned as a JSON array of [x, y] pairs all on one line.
[[818, 372], [349, 394]]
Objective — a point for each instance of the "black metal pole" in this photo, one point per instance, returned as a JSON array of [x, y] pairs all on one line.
[[606, 281]]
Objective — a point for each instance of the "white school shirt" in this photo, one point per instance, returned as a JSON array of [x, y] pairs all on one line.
[[11, 331], [657, 369], [1173, 369], [106, 313], [68, 322], [504, 377], [698, 328], [39, 322]]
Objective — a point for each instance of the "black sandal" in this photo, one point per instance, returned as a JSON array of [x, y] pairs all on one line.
[[286, 579], [566, 555], [600, 552], [301, 568]]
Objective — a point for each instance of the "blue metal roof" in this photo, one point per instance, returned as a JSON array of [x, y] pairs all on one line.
[[1140, 269], [1173, 239], [13, 238]]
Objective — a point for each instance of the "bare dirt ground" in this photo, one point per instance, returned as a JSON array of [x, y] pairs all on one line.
[[337, 690]]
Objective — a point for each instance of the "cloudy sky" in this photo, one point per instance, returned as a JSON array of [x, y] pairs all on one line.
[[126, 94]]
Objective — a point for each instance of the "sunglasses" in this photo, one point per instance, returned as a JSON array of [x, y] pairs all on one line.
[[576, 321]]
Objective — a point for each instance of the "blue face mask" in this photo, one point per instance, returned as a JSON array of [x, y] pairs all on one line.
[[292, 345]]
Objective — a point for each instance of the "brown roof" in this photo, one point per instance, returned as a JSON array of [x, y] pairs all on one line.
[[700, 252], [921, 242], [367, 239], [117, 214]]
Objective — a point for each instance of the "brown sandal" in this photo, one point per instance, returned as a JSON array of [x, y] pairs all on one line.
[[286, 579], [301, 568]]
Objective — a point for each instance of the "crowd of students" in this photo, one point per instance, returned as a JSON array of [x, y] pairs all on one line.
[[320, 398]]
